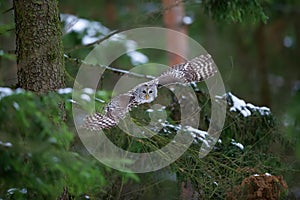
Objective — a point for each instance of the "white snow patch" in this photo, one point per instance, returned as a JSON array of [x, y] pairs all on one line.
[[72, 101], [255, 174], [19, 90], [196, 132], [267, 174], [79, 25], [262, 110], [12, 190], [239, 105], [85, 97], [198, 135], [162, 108], [100, 100], [64, 90], [137, 57], [6, 144], [23, 191], [288, 41], [205, 142], [239, 145], [187, 20], [88, 90], [130, 45], [93, 28], [5, 91], [16, 106]]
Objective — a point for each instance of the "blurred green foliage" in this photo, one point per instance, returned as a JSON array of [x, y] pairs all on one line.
[[236, 10], [37, 150], [45, 155], [292, 121], [229, 163], [223, 168], [6, 27]]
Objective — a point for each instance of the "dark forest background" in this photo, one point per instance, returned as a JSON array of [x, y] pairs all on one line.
[[255, 45]]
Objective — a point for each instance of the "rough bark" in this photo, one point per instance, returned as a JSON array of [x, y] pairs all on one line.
[[39, 45]]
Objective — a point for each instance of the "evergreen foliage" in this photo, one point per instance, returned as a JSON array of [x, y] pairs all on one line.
[[41, 154], [38, 150]]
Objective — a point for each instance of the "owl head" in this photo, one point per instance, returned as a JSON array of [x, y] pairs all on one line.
[[146, 92]]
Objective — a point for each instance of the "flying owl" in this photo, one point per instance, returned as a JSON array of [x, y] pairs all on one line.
[[195, 70]]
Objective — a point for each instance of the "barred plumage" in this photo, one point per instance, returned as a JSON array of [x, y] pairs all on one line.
[[97, 122], [195, 70]]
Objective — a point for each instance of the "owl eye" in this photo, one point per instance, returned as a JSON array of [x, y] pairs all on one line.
[[150, 91], [144, 91]]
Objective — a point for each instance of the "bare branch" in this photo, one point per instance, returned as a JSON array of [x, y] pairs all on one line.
[[93, 43], [115, 70]]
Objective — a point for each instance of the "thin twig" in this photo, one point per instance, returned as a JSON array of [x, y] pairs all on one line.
[[115, 70], [159, 12], [93, 43], [8, 10]]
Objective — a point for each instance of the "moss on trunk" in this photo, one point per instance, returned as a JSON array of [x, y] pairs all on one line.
[[39, 45]]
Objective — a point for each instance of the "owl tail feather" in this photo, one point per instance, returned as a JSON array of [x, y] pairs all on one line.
[[97, 122]]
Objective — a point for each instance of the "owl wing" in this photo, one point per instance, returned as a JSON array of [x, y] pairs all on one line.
[[195, 70], [115, 110], [97, 122]]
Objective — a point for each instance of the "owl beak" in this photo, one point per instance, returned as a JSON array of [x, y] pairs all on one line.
[[147, 96]]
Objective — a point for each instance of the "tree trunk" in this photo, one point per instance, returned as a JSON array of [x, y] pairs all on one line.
[[173, 19], [39, 46], [110, 13], [262, 66]]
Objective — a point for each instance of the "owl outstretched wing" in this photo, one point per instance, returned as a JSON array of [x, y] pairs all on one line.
[[115, 110], [195, 70], [120, 105], [98, 122]]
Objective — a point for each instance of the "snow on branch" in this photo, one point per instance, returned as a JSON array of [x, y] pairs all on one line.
[[199, 136], [238, 105]]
